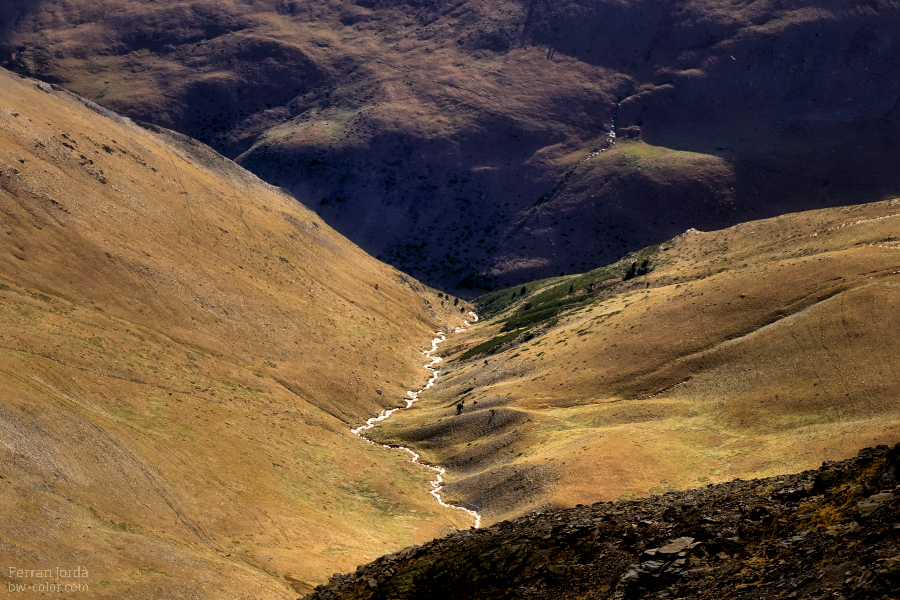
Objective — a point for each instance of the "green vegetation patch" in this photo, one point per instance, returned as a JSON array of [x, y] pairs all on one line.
[[544, 314], [543, 302], [490, 346], [494, 303], [551, 297]]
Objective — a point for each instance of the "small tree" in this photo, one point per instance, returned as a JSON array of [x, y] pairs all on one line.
[[456, 302], [632, 270]]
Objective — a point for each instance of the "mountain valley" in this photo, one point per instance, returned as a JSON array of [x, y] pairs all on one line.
[[621, 275]]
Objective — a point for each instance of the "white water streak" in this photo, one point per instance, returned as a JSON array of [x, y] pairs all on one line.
[[437, 482]]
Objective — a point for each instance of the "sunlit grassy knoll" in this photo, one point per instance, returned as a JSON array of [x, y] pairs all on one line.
[[759, 349]]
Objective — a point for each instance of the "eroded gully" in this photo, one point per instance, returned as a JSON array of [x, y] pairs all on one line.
[[437, 482]]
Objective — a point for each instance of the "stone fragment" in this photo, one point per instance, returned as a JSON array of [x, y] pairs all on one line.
[[677, 545], [872, 503]]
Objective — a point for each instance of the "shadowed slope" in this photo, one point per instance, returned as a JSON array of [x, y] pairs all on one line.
[[460, 140], [182, 351]]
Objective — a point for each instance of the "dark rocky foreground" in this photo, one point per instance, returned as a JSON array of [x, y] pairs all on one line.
[[829, 533]]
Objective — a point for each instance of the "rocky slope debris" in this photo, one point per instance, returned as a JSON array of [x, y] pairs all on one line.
[[833, 532]]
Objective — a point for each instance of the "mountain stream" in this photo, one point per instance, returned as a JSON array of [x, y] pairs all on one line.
[[437, 482]]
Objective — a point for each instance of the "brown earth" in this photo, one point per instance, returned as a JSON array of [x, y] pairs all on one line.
[[183, 349], [457, 140], [752, 351]]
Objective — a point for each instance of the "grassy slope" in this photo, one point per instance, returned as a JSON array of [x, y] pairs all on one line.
[[182, 350], [760, 349]]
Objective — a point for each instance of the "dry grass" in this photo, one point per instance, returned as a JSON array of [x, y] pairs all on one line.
[[182, 351], [760, 349]]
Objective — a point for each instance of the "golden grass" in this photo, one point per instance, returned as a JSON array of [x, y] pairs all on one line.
[[182, 352], [756, 350]]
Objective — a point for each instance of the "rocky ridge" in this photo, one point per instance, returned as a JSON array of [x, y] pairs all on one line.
[[833, 532]]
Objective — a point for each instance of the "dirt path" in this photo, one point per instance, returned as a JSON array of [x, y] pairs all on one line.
[[437, 482]]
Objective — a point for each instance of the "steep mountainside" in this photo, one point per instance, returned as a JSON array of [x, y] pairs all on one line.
[[830, 533], [183, 349], [752, 351], [460, 140]]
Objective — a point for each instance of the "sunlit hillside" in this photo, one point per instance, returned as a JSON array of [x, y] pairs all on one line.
[[761, 349], [183, 350]]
